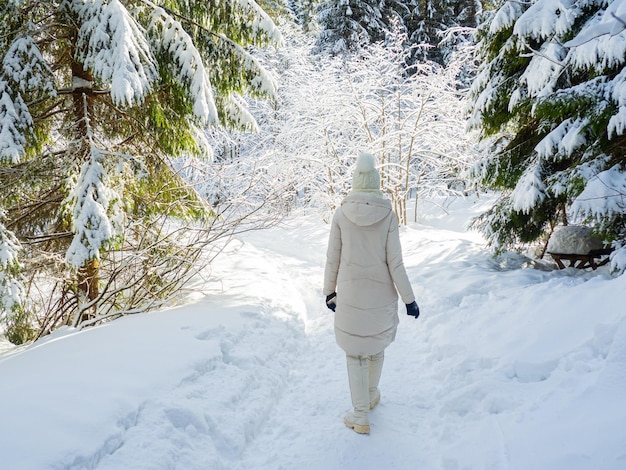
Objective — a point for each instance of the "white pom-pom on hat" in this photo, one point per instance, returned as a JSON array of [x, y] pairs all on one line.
[[365, 162], [365, 176]]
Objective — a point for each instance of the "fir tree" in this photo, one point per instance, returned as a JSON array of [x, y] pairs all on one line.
[[438, 26], [96, 96], [304, 13], [347, 25], [552, 94]]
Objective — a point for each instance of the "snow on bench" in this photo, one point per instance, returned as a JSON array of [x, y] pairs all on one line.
[[579, 246]]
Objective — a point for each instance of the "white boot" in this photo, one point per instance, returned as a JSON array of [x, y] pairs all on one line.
[[375, 370], [358, 377]]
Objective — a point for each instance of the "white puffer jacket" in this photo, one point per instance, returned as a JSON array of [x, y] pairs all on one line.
[[364, 266]]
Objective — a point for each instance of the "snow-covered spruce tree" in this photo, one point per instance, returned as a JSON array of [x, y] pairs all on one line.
[[427, 22], [96, 96], [347, 25], [552, 95], [304, 13]]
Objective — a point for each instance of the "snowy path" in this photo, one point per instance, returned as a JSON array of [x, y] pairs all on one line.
[[505, 369], [306, 430], [455, 389]]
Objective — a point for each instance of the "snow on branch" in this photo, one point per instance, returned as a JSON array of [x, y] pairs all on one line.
[[262, 83], [24, 72], [11, 289], [90, 220], [24, 66], [484, 90], [9, 247], [529, 191], [547, 18], [611, 22], [237, 114], [564, 139], [113, 46], [544, 69], [188, 65], [617, 123], [91, 200], [604, 196], [261, 24], [15, 119], [601, 43], [506, 16]]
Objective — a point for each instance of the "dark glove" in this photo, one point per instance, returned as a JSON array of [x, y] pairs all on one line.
[[412, 309], [330, 301]]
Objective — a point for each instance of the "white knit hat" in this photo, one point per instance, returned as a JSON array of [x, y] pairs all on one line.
[[365, 177]]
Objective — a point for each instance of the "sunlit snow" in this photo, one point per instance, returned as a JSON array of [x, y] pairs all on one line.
[[507, 367]]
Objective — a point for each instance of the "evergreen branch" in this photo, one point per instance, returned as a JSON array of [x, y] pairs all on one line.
[[86, 91], [535, 52], [50, 111], [184, 18], [33, 239], [29, 209], [599, 35], [192, 22]]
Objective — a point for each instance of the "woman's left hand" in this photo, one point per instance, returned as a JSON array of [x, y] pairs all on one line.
[[331, 301]]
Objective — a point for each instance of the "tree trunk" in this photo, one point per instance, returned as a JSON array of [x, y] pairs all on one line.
[[87, 282], [82, 98]]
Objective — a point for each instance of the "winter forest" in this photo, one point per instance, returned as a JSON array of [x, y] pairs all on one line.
[[139, 139]]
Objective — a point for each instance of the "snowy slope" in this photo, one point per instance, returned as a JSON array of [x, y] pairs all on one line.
[[507, 368]]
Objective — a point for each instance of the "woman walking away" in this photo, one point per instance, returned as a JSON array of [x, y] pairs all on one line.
[[363, 270]]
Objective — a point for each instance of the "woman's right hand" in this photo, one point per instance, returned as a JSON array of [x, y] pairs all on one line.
[[412, 309]]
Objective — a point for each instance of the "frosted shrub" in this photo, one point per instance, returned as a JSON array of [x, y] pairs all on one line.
[[331, 108]]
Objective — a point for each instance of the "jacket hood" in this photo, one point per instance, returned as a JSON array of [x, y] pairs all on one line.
[[364, 209]]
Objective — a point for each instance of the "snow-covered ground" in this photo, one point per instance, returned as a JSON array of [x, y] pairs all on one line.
[[508, 367]]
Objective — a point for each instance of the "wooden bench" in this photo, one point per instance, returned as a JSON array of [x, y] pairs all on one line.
[[583, 261]]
